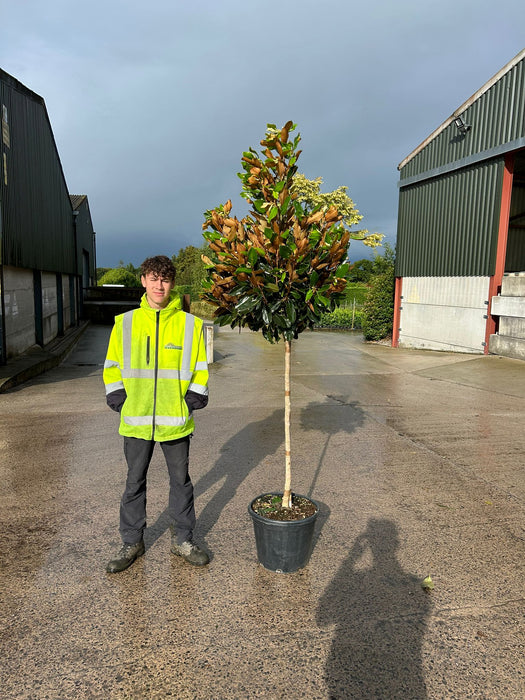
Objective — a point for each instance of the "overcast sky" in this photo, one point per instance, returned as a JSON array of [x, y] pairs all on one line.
[[152, 103]]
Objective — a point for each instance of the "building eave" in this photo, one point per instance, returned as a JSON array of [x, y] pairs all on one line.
[[463, 107]]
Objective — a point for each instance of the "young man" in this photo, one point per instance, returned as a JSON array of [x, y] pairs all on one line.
[[156, 375]]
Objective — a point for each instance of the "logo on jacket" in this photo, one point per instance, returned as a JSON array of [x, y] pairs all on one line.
[[170, 346]]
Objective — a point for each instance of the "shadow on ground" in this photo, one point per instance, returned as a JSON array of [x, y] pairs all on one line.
[[380, 614], [248, 448]]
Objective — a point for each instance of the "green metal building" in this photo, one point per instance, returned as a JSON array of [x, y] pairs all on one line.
[[47, 243], [461, 226]]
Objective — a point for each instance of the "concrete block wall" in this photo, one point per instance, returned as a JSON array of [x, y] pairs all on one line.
[[49, 306], [444, 313], [509, 305], [19, 310]]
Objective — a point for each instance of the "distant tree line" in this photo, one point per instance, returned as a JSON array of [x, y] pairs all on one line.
[[369, 296], [189, 271], [369, 303], [364, 270]]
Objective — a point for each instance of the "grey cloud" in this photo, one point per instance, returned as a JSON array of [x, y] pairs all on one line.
[[152, 105]]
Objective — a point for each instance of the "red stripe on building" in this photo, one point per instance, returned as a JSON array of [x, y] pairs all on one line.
[[501, 252], [397, 312]]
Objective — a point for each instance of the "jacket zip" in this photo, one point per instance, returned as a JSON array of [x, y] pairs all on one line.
[[147, 349], [155, 373]]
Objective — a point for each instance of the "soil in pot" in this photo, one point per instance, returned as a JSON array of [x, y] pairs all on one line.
[[269, 506]]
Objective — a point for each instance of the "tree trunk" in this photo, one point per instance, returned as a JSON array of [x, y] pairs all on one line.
[[287, 493]]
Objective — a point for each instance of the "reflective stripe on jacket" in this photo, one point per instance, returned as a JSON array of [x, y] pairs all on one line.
[[156, 356]]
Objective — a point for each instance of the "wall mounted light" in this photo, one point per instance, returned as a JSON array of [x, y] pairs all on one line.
[[461, 125]]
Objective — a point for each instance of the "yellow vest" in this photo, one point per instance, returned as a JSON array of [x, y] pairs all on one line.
[[156, 356]]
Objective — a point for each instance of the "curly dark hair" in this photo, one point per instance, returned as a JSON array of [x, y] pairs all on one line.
[[159, 265]]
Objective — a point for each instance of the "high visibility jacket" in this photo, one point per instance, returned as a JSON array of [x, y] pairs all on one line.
[[155, 357]]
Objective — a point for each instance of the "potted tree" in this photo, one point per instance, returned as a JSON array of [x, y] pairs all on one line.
[[277, 271]]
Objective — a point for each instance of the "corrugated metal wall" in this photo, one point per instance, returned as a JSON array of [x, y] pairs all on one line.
[[448, 226], [84, 228], [515, 260], [497, 117], [36, 209]]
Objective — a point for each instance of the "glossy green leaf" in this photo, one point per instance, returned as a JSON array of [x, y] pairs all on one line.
[[253, 256], [290, 311], [273, 213], [246, 304], [285, 205], [299, 213], [224, 319], [279, 321]]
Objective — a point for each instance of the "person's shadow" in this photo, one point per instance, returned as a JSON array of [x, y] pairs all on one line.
[[380, 612]]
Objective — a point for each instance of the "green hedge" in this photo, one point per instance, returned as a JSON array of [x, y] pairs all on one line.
[[378, 310], [202, 310], [357, 291], [183, 289], [121, 276], [341, 319]]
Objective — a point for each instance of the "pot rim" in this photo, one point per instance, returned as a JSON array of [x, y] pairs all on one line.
[[282, 523]]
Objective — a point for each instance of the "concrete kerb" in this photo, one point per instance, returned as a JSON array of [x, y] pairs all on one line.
[[37, 360]]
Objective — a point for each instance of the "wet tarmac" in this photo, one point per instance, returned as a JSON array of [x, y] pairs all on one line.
[[417, 461]]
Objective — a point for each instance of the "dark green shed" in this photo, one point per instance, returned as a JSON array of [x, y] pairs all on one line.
[[461, 220], [47, 253]]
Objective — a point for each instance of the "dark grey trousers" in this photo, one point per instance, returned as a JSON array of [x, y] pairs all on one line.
[[133, 504]]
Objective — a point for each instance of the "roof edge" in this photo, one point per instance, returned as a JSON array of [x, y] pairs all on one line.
[[15, 84], [463, 107], [77, 199]]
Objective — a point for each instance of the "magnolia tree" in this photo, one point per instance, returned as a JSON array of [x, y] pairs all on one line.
[[283, 265]]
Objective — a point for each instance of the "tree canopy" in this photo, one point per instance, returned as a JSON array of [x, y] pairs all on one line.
[[309, 192], [364, 270], [189, 268], [120, 275], [279, 268]]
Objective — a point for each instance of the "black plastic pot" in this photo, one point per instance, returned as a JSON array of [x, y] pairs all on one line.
[[283, 546]]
